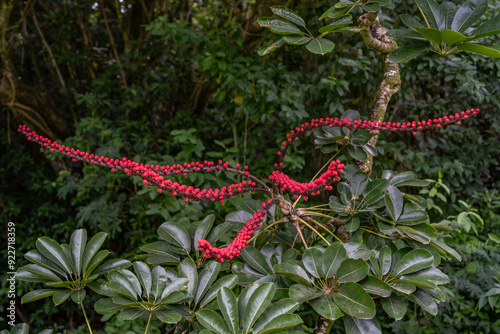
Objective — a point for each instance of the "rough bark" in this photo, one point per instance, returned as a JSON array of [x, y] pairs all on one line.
[[373, 35]]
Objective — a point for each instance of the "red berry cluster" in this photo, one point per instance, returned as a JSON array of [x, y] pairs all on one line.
[[312, 188], [154, 174], [241, 240]]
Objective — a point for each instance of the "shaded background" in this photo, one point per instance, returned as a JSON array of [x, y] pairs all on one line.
[[176, 81]]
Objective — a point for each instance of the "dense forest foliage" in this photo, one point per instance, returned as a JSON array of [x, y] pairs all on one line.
[[173, 81]]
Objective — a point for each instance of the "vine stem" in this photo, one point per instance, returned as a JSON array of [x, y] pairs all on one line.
[[86, 319]]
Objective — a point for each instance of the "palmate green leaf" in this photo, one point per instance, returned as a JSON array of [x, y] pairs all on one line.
[[132, 278], [419, 283], [415, 260], [336, 11], [219, 231], [187, 269], [326, 307], [296, 39], [394, 306], [257, 304], [451, 37], [41, 272], [371, 7], [293, 272], [412, 215], [158, 282], [374, 191], [339, 23], [284, 306], [431, 34], [424, 300], [376, 286], [384, 259], [449, 9], [206, 278], [278, 26], [313, 261], [229, 308], [272, 46], [167, 316], [413, 234], [256, 260], [410, 21], [91, 250], [203, 229], [468, 14], [132, 313], [228, 281], [492, 51], [36, 257], [18, 329], [407, 53], [117, 288], [432, 12], [107, 306], [355, 301], [431, 274], [143, 274], [404, 33], [352, 270], [394, 202], [361, 326], [112, 265], [288, 15], [53, 251], [78, 296], [359, 181], [77, 244], [244, 297], [281, 323], [95, 261], [357, 153], [61, 296], [320, 46], [176, 235], [302, 293], [178, 284], [37, 294], [488, 28], [405, 288]]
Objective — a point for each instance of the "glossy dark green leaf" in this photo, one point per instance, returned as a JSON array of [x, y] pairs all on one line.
[[384, 259], [112, 265], [36, 257], [281, 307], [445, 248], [353, 224], [96, 260], [257, 304], [313, 261], [206, 278], [431, 274], [106, 306], [424, 300], [61, 296], [244, 297], [91, 249], [371, 7], [488, 28], [404, 33], [53, 251], [355, 301], [176, 285], [432, 12], [449, 9], [158, 282], [203, 229], [412, 215], [492, 51], [361, 326], [352, 270], [415, 260], [374, 191], [451, 37], [272, 46], [288, 15], [218, 231], [143, 274], [405, 288], [468, 14], [336, 11], [42, 272], [122, 290], [279, 26], [357, 153], [341, 22], [296, 39], [176, 235], [302, 293], [410, 21], [255, 259], [326, 307], [18, 329], [229, 309], [320, 46], [167, 316], [293, 272], [78, 296], [132, 313], [413, 234], [431, 34], [187, 269], [418, 282], [394, 202], [375, 286], [407, 53], [34, 295], [336, 204], [394, 306], [132, 278], [77, 245], [281, 323], [359, 181]]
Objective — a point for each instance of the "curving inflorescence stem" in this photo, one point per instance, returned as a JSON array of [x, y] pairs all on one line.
[[155, 174]]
